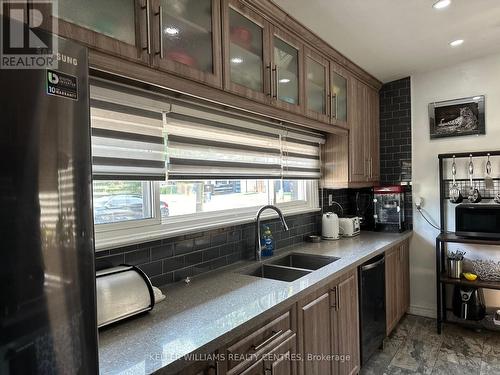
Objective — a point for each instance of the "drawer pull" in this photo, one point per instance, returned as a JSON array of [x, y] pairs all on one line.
[[274, 335]]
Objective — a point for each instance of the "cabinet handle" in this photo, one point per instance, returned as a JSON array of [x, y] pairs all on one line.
[[338, 299], [160, 28], [371, 168], [333, 106], [276, 83], [336, 291], [148, 27], [267, 341], [270, 68]]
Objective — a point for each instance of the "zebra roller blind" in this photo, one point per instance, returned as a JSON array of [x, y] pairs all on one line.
[[205, 144], [127, 134]]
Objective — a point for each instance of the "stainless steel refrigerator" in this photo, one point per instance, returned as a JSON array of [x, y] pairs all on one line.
[[47, 275]]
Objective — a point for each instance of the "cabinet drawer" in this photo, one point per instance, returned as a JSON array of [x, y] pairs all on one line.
[[281, 359], [260, 341]]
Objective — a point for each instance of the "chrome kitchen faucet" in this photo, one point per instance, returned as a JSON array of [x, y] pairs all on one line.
[[258, 246]]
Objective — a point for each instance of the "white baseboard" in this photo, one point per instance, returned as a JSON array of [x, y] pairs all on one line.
[[428, 312]]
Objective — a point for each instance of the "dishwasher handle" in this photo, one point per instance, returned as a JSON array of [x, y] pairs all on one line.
[[373, 265]]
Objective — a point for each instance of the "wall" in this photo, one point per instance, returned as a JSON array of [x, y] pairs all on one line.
[[475, 77], [173, 259]]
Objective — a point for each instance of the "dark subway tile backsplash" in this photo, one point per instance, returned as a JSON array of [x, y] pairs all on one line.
[[395, 132], [395, 138], [174, 259]]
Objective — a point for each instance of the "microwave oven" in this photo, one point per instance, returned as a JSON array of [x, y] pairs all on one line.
[[477, 220]]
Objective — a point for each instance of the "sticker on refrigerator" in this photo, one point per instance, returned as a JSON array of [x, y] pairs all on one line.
[[62, 84]]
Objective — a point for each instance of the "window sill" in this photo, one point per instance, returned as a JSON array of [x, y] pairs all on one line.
[[106, 242]]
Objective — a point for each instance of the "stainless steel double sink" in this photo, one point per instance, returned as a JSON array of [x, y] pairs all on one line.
[[290, 267]]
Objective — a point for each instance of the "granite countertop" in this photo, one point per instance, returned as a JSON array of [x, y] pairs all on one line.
[[217, 307]]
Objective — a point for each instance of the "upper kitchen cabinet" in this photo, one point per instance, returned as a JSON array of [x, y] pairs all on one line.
[[339, 86], [118, 27], [187, 39], [354, 160], [247, 67], [286, 68], [316, 84]]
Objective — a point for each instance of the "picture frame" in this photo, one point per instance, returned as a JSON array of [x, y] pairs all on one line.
[[457, 117]]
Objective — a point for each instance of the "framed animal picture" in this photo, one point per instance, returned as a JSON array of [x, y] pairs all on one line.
[[457, 117]]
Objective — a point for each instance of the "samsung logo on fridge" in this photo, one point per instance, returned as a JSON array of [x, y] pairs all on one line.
[[67, 59]]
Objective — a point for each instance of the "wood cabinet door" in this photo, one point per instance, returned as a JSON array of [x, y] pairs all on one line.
[[287, 57], [315, 334], [200, 368], [118, 27], [392, 279], [345, 323], [245, 44], [373, 126], [357, 132], [404, 271], [187, 39], [316, 86]]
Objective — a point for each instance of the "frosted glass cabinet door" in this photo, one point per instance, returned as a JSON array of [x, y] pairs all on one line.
[[339, 98], [189, 38], [317, 85], [116, 26], [114, 18], [286, 65], [246, 51]]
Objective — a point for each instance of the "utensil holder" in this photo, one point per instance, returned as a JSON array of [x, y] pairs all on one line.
[[454, 268]]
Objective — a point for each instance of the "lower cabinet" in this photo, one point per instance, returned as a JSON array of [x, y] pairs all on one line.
[[328, 329], [345, 318], [268, 350], [315, 333], [201, 368], [397, 283]]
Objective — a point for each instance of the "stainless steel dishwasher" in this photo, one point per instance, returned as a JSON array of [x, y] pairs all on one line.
[[372, 306]]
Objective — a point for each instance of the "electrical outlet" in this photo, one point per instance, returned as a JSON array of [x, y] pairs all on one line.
[[419, 202], [330, 199]]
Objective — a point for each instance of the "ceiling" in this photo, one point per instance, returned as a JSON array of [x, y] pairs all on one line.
[[392, 39]]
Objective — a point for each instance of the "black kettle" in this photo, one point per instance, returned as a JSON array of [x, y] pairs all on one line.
[[468, 303]]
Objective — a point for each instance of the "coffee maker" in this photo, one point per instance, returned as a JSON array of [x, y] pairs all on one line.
[[468, 303]]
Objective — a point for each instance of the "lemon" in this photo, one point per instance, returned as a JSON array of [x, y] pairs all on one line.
[[470, 276]]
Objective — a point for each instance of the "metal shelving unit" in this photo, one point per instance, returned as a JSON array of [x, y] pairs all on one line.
[[446, 237]]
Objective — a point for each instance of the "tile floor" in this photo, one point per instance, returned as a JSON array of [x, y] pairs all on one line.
[[414, 347]]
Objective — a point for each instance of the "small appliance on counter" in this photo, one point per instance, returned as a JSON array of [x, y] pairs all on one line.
[[122, 292], [468, 303], [330, 226], [349, 226], [389, 208]]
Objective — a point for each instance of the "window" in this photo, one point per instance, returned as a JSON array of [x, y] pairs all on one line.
[[191, 197], [126, 212], [117, 201]]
